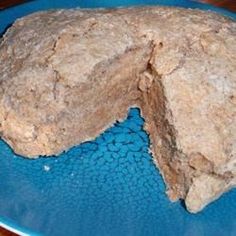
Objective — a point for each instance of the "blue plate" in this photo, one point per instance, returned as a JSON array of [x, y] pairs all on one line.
[[108, 186]]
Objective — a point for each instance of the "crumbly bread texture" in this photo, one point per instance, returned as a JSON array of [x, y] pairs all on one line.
[[67, 75]]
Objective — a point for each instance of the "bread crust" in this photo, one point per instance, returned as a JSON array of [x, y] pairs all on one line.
[[67, 75]]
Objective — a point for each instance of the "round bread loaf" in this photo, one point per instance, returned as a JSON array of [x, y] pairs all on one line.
[[67, 75]]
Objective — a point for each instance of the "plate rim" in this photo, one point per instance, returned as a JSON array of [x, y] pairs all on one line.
[[14, 227]]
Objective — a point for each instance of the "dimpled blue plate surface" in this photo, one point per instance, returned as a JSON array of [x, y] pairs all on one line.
[[108, 186]]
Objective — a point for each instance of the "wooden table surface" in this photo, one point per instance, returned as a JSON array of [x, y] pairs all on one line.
[[4, 232], [228, 4]]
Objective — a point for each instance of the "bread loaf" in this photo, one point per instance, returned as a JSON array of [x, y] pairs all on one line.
[[67, 75]]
